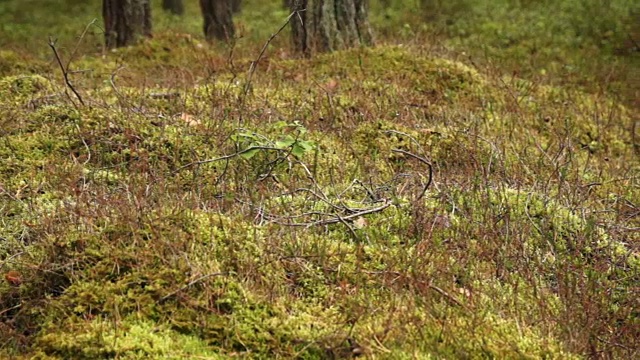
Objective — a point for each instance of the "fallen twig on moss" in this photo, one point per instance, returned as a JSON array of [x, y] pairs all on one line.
[[201, 278], [226, 157], [424, 161], [333, 220]]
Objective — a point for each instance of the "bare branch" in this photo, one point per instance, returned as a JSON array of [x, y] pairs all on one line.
[[65, 72], [337, 218], [424, 161], [254, 64]]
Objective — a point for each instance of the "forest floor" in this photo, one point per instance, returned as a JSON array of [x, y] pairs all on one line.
[[467, 188]]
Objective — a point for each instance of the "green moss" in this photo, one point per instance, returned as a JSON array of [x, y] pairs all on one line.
[[17, 89], [130, 339]]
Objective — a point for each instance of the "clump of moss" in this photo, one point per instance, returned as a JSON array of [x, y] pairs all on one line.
[[12, 63], [131, 338], [17, 89]]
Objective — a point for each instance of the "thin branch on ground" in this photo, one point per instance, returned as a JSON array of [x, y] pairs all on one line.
[[335, 219], [424, 161], [201, 278], [227, 157]]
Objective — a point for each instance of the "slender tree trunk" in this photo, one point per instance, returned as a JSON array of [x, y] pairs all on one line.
[[173, 6], [218, 19], [125, 21], [329, 25]]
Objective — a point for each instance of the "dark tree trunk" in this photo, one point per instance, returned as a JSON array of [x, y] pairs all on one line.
[[329, 25], [298, 25], [173, 6], [125, 21], [236, 6], [218, 19]]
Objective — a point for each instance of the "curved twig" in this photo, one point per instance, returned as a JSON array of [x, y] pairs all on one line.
[[424, 161]]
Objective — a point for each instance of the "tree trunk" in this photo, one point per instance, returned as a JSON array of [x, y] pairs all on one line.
[[173, 6], [329, 25], [236, 6], [218, 19], [125, 21], [298, 22]]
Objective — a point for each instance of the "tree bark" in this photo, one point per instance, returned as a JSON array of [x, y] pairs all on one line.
[[125, 21], [218, 19], [329, 25], [299, 26], [173, 6]]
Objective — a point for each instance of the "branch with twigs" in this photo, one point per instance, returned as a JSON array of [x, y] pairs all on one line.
[[65, 70], [254, 64], [228, 157], [338, 210], [341, 213], [424, 161], [333, 218]]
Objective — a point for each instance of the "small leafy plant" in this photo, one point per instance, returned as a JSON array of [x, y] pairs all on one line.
[[292, 141]]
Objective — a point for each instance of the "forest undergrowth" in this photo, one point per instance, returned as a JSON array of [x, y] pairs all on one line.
[[448, 193]]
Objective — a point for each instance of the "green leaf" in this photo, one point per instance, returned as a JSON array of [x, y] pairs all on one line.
[[248, 154], [280, 124], [285, 143], [307, 145], [298, 150]]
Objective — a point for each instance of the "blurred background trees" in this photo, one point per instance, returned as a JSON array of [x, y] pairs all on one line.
[[218, 18], [327, 25], [173, 6], [125, 21], [564, 40], [319, 25]]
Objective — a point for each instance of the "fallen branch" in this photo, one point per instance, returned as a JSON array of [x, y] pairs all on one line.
[[227, 157], [337, 218], [201, 278], [424, 161]]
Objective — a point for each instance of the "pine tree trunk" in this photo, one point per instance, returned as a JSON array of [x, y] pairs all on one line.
[[125, 21], [173, 6], [218, 19], [329, 25]]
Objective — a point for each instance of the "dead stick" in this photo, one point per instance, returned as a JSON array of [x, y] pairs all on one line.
[[65, 73]]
